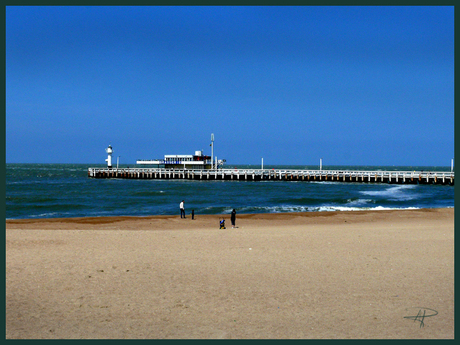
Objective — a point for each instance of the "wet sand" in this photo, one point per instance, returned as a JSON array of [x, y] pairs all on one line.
[[325, 275]]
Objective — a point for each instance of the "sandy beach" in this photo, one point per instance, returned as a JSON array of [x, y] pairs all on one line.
[[325, 275]]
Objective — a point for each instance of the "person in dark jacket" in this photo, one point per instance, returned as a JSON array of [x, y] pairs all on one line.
[[233, 218]]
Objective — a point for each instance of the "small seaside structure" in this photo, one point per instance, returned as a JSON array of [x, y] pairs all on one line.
[[198, 161], [109, 156]]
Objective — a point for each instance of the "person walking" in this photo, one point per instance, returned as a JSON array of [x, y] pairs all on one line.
[[233, 218], [182, 210]]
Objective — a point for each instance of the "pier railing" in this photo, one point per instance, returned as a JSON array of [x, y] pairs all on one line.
[[377, 176]]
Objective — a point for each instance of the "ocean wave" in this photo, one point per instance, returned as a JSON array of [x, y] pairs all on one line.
[[47, 215], [394, 193], [346, 208], [148, 192], [277, 209], [326, 208], [358, 202]]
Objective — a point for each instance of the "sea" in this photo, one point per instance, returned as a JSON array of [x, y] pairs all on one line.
[[65, 191]]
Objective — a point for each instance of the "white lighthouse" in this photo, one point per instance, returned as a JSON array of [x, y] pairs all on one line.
[[109, 157]]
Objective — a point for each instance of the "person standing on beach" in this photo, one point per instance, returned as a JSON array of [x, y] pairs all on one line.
[[182, 210], [233, 218]]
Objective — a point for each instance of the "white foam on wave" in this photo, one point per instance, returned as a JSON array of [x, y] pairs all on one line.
[[294, 209], [394, 193], [378, 208], [322, 182], [275, 209], [360, 202], [226, 210], [45, 215]]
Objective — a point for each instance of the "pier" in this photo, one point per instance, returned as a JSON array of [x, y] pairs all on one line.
[[388, 177]]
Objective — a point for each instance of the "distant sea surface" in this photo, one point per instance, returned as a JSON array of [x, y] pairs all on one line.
[[65, 190]]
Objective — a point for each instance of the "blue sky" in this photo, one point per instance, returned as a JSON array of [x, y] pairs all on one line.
[[291, 85]]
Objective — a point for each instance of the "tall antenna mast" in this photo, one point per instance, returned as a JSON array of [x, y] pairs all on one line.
[[212, 149]]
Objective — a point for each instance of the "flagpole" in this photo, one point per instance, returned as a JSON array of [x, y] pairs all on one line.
[[212, 150]]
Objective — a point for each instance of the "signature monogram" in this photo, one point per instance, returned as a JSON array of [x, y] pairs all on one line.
[[421, 315]]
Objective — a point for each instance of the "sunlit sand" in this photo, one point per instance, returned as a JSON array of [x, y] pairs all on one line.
[[325, 275]]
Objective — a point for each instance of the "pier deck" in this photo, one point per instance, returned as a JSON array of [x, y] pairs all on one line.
[[392, 177]]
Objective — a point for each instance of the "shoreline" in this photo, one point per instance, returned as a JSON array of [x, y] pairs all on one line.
[[201, 219], [310, 275]]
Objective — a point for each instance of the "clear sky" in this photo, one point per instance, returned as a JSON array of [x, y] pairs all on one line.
[[291, 85]]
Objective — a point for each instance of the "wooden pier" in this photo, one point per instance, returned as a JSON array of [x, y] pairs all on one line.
[[389, 177]]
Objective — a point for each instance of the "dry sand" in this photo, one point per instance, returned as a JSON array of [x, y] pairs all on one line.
[[327, 275]]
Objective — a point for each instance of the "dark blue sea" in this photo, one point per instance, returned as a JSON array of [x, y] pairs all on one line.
[[65, 190]]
